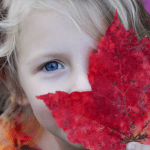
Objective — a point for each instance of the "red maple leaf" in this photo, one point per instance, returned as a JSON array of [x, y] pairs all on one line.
[[116, 111]]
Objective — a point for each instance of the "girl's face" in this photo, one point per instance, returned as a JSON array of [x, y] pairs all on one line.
[[47, 36]]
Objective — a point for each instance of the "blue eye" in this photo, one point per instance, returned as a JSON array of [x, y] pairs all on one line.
[[51, 66]]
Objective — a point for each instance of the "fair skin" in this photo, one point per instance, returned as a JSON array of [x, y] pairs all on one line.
[[47, 33]]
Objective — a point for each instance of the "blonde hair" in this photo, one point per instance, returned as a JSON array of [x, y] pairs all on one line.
[[85, 14]]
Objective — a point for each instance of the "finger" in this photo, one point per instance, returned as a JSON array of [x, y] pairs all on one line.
[[134, 146], [145, 147], [137, 146]]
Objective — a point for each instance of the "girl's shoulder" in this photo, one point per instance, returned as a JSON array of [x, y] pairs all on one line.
[[16, 135]]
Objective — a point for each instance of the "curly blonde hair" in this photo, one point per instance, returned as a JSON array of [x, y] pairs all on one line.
[[86, 15]]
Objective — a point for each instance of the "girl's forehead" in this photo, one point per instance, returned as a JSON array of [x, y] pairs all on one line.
[[49, 29], [45, 24], [42, 17]]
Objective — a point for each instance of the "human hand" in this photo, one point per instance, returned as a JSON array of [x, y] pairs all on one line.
[[137, 146]]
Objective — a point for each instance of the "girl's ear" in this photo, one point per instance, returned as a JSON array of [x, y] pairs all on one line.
[[25, 102]]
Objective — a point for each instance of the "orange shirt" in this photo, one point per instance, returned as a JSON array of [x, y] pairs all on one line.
[[28, 132]]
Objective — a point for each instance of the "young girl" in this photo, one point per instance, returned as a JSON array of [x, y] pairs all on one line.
[[45, 48]]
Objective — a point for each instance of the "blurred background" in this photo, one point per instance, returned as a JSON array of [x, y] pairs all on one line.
[[147, 5]]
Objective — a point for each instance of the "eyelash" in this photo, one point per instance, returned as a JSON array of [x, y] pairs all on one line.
[[41, 68]]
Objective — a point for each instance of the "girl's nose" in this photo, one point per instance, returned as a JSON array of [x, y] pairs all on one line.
[[80, 83]]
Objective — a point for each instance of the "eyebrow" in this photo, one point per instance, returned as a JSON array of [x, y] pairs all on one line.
[[51, 54], [45, 55]]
